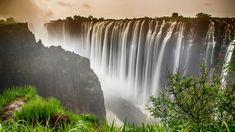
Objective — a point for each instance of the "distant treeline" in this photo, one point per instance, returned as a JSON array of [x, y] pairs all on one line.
[[175, 16], [202, 19], [7, 21]]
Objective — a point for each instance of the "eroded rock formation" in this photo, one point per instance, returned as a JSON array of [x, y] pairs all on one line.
[[54, 71]]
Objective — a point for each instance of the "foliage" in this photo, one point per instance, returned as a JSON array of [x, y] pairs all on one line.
[[175, 14], [7, 21], [69, 19], [39, 109], [80, 127], [231, 67], [28, 92], [203, 17], [186, 104], [195, 104], [36, 115], [10, 20], [228, 100], [39, 114]]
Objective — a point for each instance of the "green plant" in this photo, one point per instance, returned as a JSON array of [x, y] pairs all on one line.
[[39, 114], [193, 104], [39, 109], [10, 94]]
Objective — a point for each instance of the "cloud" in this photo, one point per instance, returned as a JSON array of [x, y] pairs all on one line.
[[23, 10], [207, 4], [61, 3], [87, 6]]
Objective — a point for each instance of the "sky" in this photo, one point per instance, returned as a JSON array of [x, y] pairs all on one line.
[[43, 10]]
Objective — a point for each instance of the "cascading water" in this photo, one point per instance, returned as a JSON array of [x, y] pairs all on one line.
[[210, 47], [228, 58], [134, 56], [157, 72]]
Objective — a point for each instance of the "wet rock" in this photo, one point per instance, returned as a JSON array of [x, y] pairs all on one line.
[[11, 108], [54, 71]]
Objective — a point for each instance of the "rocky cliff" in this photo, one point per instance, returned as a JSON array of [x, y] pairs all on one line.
[[195, 30], [54, 71], [142, 52]]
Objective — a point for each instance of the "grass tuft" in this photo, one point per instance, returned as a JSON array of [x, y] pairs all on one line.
[[10, 94], [39, 109]]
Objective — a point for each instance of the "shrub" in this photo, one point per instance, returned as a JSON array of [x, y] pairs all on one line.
[[194, 104]]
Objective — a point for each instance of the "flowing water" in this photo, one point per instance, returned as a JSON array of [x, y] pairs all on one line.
[[228, 58], [133, 58]]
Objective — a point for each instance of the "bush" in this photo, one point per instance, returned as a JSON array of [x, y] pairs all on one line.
[[194, 104]]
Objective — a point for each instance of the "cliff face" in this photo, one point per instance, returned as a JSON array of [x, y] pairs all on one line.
[[195, 29], [54, 71], [142, 52]]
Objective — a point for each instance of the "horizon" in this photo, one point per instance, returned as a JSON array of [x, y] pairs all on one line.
[[156, 17], [44, 10]]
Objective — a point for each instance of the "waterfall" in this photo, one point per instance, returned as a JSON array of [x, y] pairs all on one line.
[[178, 47], [228, 58], [210, 48], [137, 55], [157, 72]]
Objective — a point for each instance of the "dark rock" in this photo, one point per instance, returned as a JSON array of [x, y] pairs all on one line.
[[125, 110], [54, 71], [56, 120], [11, 108]]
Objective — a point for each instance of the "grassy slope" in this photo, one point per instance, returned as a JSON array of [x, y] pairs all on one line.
[[39, 114]]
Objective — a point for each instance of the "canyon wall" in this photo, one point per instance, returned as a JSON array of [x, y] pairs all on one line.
[[53, 71]]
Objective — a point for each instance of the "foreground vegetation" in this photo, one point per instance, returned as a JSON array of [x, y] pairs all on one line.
[[196, 103], [39, 114], [186, 104]]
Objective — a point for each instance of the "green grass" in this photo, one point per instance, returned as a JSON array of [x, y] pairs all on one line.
[[27, 92], [36, 116], [39, 109]]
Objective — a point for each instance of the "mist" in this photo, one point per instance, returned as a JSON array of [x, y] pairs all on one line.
[[26, 11]]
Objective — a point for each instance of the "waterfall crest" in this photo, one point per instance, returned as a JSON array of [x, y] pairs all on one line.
[[139, 54]]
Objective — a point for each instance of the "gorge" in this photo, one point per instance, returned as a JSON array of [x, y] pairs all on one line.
[[133, 57], [139, 53], [117, 65]]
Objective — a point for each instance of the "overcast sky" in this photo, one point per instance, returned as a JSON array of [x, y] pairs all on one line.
[[30, 10]]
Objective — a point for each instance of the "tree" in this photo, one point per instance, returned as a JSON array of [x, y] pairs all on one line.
[[10, 20], [70, 19], [76, 17], [203, 17], [194, 103], [101, 19], [175, 15], [228, 100], [2, 21], [90, 17]]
